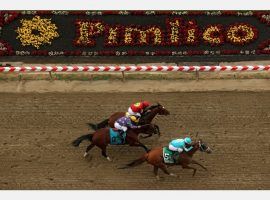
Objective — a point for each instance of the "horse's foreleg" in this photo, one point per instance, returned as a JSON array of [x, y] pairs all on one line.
[[197, 163], [146, 136], [88, 149], [188, 167], [157, 128]]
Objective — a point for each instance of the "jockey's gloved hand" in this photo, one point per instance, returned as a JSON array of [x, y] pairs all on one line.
[[179, 150]]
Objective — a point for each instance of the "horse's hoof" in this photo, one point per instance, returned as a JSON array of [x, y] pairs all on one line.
[[171, 174], [85, 154], [108, 158]]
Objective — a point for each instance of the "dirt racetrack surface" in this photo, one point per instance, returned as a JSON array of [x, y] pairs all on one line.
[[36, 131]]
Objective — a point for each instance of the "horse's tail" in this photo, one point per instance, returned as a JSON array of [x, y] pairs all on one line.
[[102, 124], [136, 162], [78, 141]]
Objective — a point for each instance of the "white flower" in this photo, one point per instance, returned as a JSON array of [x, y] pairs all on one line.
[[150, 12], [124, 12]]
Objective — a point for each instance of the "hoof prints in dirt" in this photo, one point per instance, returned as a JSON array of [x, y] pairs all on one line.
[[36, 152]]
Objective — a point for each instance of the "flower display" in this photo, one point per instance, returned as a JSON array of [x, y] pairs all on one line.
[[241, 33], [191, 33], [213, 35], [7, 16], [86, 30], [182, 29], [112, 35], [173, 27], [264, 47], [36, 32], [5, 49]]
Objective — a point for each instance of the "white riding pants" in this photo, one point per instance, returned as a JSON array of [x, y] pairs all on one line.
[[171, 147], [119, 127], [130, 112]]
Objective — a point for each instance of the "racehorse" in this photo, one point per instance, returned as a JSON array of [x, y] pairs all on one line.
[[101, 138], [155, 158], [147, 116]]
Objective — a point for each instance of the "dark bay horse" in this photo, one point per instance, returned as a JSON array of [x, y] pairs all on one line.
[[155, 158], [147, 116], [101, 139]]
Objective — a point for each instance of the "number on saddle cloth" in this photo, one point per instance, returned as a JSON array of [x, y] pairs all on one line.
[[168, 155], [115, 138]]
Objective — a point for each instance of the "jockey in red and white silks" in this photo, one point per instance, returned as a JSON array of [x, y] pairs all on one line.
[[137, 108]]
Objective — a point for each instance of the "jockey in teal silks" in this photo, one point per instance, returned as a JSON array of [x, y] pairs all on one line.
[[178, 145]]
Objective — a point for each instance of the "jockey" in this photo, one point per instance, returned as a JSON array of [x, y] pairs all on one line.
[[123, 123], [178, 145], [137, 108]]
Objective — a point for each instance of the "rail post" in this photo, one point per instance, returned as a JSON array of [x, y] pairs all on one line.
[[50, 73], [123, 76], [20, 77], [197, 74]]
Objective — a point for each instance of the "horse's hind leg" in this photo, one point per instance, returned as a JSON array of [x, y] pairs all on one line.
[[164, 168], [104, 153], [88, 149], [156, 172]]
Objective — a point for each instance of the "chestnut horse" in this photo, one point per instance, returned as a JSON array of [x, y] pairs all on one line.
[[147, 116], [101, 139], [155, 158]]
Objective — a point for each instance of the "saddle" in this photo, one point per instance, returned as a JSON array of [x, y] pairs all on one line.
[[170, 157]]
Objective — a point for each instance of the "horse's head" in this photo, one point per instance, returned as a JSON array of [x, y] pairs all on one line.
[[151, 111], [203, 147], [162, 110]]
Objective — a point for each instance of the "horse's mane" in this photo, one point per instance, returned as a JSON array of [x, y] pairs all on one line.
[[146, 113], [150, 108]]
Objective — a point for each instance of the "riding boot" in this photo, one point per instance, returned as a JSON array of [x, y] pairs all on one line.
[[176, 157], [121, 134]]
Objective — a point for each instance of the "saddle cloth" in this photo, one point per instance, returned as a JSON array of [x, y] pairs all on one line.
[[115, 138], [168, 155]]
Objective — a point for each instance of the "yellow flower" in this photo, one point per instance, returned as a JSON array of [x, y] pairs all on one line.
[[46, 32], [207, 35], [233, 36]]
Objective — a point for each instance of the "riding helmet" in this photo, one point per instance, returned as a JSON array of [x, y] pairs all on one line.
[[187, 140]]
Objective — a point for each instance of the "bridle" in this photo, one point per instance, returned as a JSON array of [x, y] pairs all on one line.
[[201, 147]]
